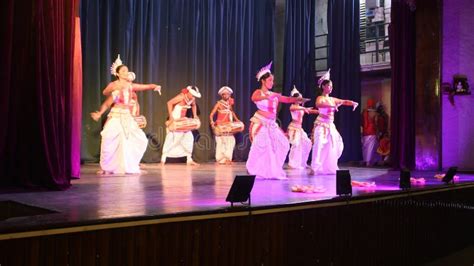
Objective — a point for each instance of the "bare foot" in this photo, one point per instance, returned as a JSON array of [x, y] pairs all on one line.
[[228, 162], [311, 172], [193, 163]]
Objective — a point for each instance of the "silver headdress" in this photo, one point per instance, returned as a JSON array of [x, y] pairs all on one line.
[[117, 63], [264, 70], [294, 91], [326, 76]]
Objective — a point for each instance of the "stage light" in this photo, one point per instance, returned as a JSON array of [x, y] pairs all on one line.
[[448, 177], [343, 183], [241, 189], [405, 176]]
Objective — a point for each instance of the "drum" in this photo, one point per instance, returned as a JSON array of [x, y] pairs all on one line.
[[141, 121], [228, 128], [183, 124]]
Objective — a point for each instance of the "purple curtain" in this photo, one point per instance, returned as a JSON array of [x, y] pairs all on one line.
[[36, 97], [402, 56]]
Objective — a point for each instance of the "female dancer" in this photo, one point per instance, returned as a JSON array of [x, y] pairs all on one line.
[[327, 142], [269, 144], [300, 143], [123, 143]]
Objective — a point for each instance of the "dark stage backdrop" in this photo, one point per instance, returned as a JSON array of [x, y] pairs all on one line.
[[403, 54], [299, 68], [344, 61], [175, 43]]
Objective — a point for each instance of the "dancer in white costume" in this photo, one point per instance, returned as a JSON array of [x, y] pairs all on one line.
[[300, 143], [226, 125], [123, 142], [179, 139], [269, 144], [327, 142]]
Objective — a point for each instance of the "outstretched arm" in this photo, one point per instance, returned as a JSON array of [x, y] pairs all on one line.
[[346, 103], [312, 111], [286, 99], [295, 107], [144, 87], [308, 110], [105, 105]]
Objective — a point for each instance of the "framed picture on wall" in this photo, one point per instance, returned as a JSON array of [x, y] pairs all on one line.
[[460, 85]]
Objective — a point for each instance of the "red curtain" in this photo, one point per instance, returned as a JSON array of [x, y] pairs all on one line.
[[40, 95]]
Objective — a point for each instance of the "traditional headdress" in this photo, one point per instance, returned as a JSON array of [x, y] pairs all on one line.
[[326, 76], [294, 91], [264, 70], [224, 89], [194, 91], [117, 63]]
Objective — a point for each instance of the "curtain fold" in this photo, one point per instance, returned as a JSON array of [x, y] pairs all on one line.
[[299, 56], [344, 61], [402, 56], [176, 43], [36, 99]]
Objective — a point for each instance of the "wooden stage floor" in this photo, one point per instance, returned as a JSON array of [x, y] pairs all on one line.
[[177, 190]]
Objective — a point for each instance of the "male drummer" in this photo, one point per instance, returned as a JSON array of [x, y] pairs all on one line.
[[225, 141], [179, 139]]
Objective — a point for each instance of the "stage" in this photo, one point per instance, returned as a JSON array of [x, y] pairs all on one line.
[[178, 190], [177, 215]]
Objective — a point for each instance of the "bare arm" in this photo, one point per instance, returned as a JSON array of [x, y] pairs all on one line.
[[295, 107], [344, 102], [105, 105], [257, 96], [286, 99], [213, 112], [194, 108], [235, 116], [308, 110], [178, 98], [109, 89], [143, 87], [313, 111], [321, 103]]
